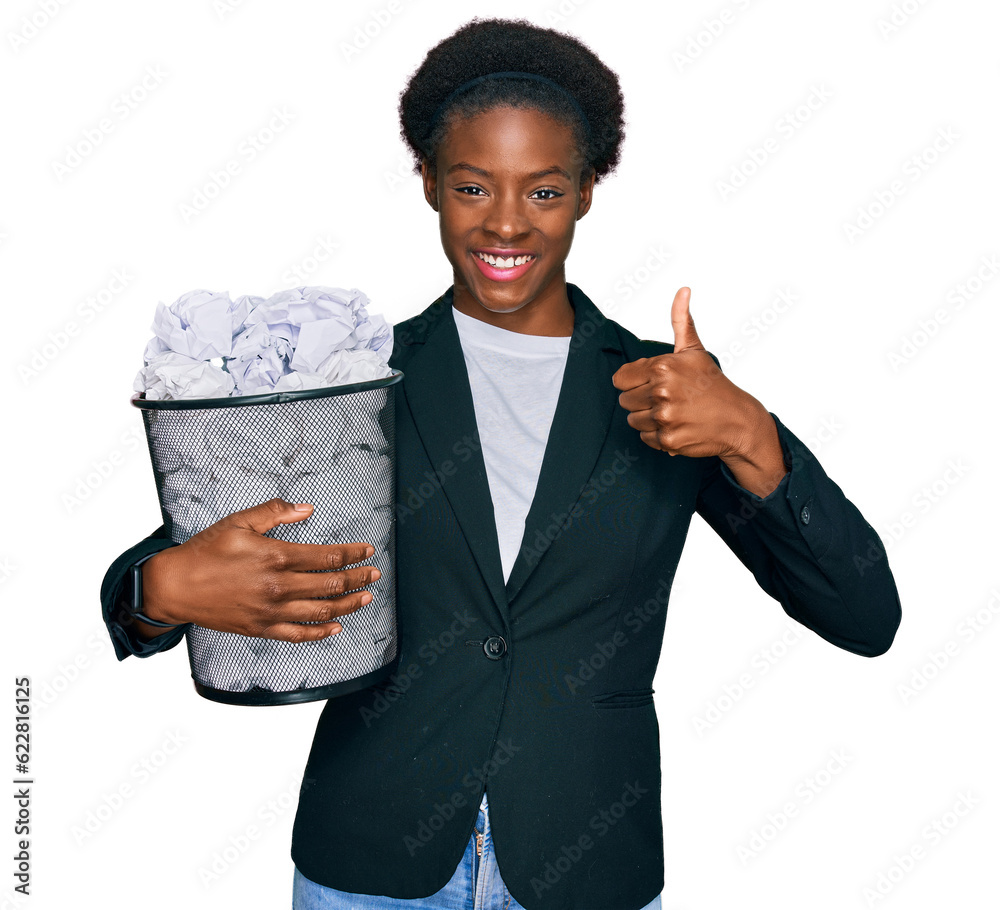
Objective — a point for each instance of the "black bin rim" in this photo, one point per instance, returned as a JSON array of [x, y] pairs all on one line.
[[264, 699], [192, 404]]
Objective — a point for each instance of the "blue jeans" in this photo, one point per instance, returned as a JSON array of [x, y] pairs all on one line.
[[476, 885]]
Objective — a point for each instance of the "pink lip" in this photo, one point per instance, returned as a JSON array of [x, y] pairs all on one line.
[[510, 274]]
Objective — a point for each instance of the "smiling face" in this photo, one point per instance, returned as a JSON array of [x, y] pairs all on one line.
[[508, 191]]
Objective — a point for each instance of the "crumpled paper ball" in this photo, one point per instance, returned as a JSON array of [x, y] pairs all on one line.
[[170, 375], [259, 360], [199, 324]]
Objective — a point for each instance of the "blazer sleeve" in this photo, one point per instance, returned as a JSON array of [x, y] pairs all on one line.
[[809, 548], [116, 593]]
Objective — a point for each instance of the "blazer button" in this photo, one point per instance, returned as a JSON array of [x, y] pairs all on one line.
[[495, 647], [804, 515]]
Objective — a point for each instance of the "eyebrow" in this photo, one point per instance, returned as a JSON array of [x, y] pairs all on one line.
[[537, 175]]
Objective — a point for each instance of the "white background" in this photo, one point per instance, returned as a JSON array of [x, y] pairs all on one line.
[[876, 366]]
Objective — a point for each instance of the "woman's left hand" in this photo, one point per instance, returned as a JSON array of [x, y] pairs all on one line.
[[682, 404]]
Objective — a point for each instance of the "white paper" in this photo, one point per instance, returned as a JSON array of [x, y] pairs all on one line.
[[259, 360], [199, 324], [300, 338], [171, 375]]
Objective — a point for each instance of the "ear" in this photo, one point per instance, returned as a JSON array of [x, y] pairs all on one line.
[[587, 179], [429, 179]]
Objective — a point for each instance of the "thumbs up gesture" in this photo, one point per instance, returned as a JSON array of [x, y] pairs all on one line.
[[682, 404]]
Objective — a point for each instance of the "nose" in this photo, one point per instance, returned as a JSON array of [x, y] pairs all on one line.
[[507, 217]]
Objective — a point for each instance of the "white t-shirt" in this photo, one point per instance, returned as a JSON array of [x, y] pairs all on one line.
[[515, 380]]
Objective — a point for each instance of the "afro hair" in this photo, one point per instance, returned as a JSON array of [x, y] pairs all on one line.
[[484, 46]]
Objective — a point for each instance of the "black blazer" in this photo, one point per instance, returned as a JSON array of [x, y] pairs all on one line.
[[541, 688]]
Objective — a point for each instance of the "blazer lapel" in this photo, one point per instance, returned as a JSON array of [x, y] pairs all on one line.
[[436, 387], [586, 403], [437, 391]]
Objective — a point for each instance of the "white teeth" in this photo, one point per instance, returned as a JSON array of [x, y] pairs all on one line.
[[508, 263]]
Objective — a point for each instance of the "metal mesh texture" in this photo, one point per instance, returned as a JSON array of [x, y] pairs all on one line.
[[336, 452]]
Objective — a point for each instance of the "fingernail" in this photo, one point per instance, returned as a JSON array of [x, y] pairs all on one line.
[[376, 575], [301, 507], [369, 551], [335, 628], [366, 597]]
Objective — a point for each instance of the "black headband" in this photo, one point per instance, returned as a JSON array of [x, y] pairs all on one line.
[[465, 86]]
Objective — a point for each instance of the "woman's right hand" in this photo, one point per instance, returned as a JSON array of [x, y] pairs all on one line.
[[232, 578]]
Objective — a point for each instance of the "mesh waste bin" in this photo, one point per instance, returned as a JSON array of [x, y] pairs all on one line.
[[332, 447]]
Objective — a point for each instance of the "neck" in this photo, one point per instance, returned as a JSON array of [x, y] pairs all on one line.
[[549, 313]]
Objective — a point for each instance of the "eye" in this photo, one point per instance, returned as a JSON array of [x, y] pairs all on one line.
[[553, 194], [473, 190]]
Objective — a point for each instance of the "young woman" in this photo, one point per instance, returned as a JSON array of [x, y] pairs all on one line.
[[533, 579]]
